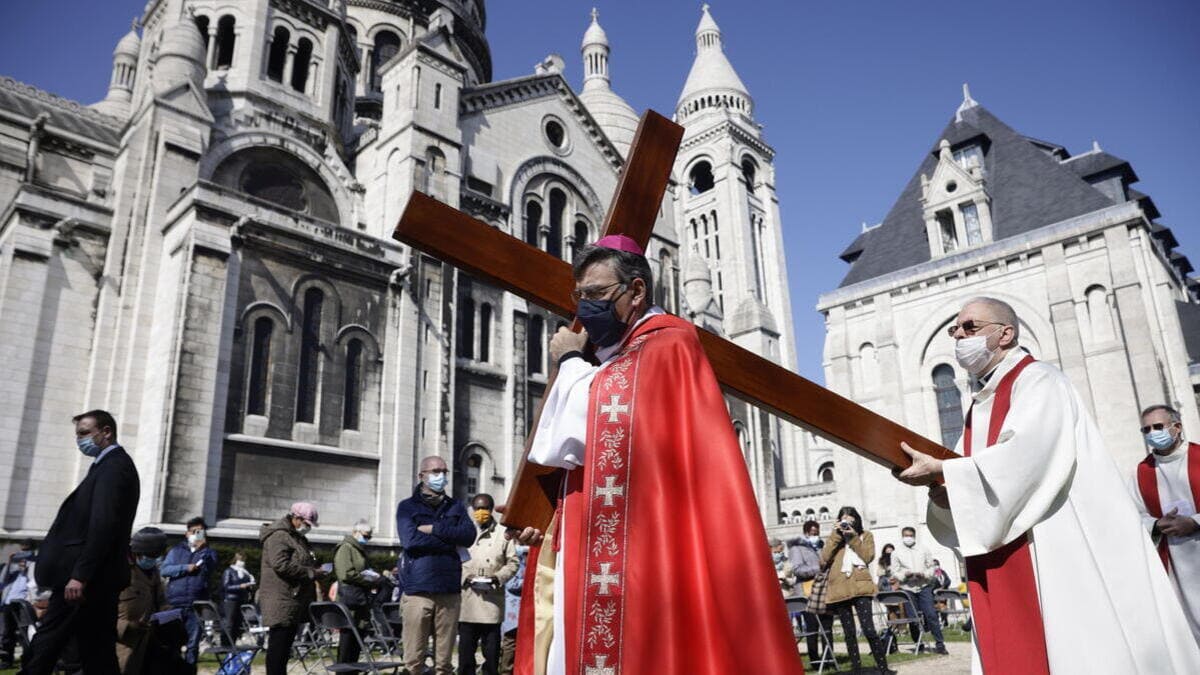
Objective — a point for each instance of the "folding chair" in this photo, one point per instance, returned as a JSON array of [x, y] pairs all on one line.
[[234, 661], [382, 635], [310, 643], [954, 603], [797, 606], [253, 620], [911, 617], [334, 616]]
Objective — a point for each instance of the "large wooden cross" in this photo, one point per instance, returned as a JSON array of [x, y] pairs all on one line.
[[543, 279]]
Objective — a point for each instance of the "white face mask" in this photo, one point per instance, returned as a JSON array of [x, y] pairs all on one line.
[[240, 564], [973, 354], [814, 539], [909, 541]]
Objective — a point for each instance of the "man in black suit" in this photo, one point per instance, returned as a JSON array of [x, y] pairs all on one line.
[[84, 559]]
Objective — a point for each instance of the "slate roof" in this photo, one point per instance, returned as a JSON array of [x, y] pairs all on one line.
[[1189, 324], [29, 101], [1092, 163], [1029, 189]]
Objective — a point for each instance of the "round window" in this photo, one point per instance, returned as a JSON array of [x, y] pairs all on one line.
[[556, 134], [951, 186]]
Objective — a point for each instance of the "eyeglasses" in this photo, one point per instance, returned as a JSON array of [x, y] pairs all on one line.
[[971, 327], [1157, 426], [594, 292]]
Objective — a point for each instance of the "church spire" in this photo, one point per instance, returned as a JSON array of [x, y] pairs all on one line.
[[712, 81], [595, 55]]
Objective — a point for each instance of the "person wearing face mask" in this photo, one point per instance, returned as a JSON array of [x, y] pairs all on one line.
[[1028, 503], [434, 531], [187, 568], [847, 555], [142, 598], [912, 565], [84, 559], [493, 562], [1166, 488], [287, 587], [805, 555], [237, 587], [784, 571], [356, 582], [638, 433]]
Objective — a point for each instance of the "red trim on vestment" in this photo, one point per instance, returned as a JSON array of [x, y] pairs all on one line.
[[1002, 584], [1147, 480]]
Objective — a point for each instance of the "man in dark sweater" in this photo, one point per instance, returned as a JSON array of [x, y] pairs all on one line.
[[433, 527], [187, 569]]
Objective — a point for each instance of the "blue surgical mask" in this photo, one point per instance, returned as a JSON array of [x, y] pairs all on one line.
[[436, 481], [88, 446], [362, 540], [599, 318], [1160, 439], [147, 563]]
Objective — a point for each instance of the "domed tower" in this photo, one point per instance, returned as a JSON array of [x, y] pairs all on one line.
[[612, 113], [712, 84], [124, 74], [180, 55]]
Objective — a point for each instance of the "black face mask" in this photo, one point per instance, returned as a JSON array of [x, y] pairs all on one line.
[[599, 318]]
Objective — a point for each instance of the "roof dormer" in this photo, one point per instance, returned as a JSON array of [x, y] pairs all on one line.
[[957, 207]]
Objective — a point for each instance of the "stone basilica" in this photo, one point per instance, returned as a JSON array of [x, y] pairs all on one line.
[[206, 253]]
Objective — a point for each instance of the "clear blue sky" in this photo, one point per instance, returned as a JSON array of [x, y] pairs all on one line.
[[850, 93]]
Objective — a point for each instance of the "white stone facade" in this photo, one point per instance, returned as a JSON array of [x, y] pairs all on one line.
[[206, 254]]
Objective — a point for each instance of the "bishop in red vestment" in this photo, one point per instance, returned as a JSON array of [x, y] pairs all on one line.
[[657, 560]]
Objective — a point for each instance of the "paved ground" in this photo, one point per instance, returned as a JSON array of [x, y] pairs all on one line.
[[957, 663]]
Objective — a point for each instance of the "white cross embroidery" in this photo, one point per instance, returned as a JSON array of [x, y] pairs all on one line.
[[605, 578], [610, 490], [600, 668], [614, 409]]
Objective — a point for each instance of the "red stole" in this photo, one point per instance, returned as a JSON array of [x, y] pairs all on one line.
[[666, 567], [1147, 481], [1003, 587]]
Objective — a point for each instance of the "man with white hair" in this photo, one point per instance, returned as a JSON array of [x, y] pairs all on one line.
[[1166, 489], [356, 581], [1032, 504]]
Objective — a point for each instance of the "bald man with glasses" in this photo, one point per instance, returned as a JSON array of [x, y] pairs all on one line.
[[1031, 504]]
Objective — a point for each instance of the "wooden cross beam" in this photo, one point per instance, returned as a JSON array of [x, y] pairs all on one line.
[[543, 279]]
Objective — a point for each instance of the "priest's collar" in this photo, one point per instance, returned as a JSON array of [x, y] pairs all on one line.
[[1176, 455], [985, 384]]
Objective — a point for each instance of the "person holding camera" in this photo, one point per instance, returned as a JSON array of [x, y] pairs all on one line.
[[493, 562], [847, 552]]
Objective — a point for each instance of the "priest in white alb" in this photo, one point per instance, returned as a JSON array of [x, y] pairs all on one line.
[[1034, 505], [1166, 488]]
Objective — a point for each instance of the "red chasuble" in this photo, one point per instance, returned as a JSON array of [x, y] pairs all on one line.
[[1002, 583], [1147, 481], [666, 563]]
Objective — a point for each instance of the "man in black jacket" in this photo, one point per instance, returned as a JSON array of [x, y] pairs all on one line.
[[84, 559]]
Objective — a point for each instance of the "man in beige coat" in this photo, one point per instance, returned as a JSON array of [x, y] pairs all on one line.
[[493, 562]]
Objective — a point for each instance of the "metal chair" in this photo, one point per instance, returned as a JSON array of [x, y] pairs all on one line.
[[253, 621], [911, 617], [334, 616], [955, 603], [382, 635], [798, 606], [310, 643], [233, 660]]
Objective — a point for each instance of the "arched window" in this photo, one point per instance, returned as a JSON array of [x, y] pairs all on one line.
[[749, 171], [580, 237], [435, 169], [352, 398], [225, 38], [868, 368], [387, 44], [472, 468], [700, 178], [537, 338], [949, 404], [666, 281], [300, 61], [260, 364], [825, 472], [485, 332], [1099, 316], [278, 54], [558, 209], [810, 514], [533, 222], [437, 96], [310, 356], [466, 328], [202, 26], [823, 513]]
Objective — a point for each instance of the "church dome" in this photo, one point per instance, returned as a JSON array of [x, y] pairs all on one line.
[[697, 283], [181, 54], [711, 71], [129, 45], [616, 117], [595, 35]]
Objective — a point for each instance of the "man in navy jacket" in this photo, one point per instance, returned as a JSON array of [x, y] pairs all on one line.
[[84, 560], [433, 527], [187, 569]]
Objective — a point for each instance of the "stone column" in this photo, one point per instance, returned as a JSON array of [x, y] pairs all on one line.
[[1065, 322], [210, 44], [364, 73], [289, 64], [1131, 315]]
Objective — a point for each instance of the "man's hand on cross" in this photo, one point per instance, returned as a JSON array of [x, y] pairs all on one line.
[[566, 341], [925, 469], [528, 536]]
